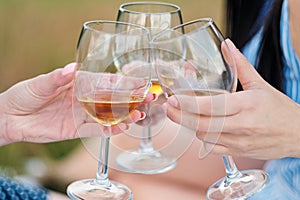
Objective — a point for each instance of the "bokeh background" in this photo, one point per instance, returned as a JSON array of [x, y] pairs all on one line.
[[37, 36]]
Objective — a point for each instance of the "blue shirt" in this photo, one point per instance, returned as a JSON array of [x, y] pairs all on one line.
[[284, 173]]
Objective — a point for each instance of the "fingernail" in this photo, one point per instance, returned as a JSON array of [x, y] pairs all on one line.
[[68, 69], [155, 96], [173, 101], [143, 115], [230, 44]]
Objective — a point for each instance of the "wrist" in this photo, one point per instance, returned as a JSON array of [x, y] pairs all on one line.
[[296, 132], [2, 124], [4, 136]]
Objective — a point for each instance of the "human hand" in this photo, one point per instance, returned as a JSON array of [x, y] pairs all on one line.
[[259, 122], [40, 109]]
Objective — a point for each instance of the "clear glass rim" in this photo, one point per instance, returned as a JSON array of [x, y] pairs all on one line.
[[86, 25], [123, 9], [207, 22]]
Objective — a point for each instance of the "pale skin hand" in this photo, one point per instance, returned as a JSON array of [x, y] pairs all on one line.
[[40, 109], [259, 122]]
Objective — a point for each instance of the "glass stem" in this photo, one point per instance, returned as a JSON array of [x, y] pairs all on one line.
[[230, 167], [146, 142], [102, 173]]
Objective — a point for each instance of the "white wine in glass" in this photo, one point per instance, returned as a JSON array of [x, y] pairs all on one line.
[[103, 109], [193, 60], [109, 84], [156, 17]]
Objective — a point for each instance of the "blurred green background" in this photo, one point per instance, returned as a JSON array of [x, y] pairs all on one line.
[[37, 36]]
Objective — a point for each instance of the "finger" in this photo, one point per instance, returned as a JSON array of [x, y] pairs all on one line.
[[194, 121], [150, 97], [135, 116], [47, 84], [217, 105], [227, 54], [231, 64], [239, 145], [119, 128], [247, 74]]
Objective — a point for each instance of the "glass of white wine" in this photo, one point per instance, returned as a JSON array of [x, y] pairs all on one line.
[[156, 17], [112, 80], [193, 60]]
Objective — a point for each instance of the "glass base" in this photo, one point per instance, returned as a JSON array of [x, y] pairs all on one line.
[[89, 189], [242, 187], [152, 162]]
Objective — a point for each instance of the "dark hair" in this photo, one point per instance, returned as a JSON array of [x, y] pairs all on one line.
[[244, 20]]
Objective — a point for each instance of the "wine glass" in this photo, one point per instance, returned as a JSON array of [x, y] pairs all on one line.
[[112, 80], [194, 60], [156, 17]]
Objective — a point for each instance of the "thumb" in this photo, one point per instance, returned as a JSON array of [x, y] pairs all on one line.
[[47, 84], [247, 74]]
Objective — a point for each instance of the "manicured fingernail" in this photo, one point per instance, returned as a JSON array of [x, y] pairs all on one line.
[[155, 96], [173, 101], [143, 115], [68, 69]]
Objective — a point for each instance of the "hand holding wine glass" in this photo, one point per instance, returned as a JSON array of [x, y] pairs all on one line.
[[246, 120], [109, 91], [32, 104], [194, 65]]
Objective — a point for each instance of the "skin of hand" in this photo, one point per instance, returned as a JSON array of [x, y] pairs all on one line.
[[259, 122], [40, 109]]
